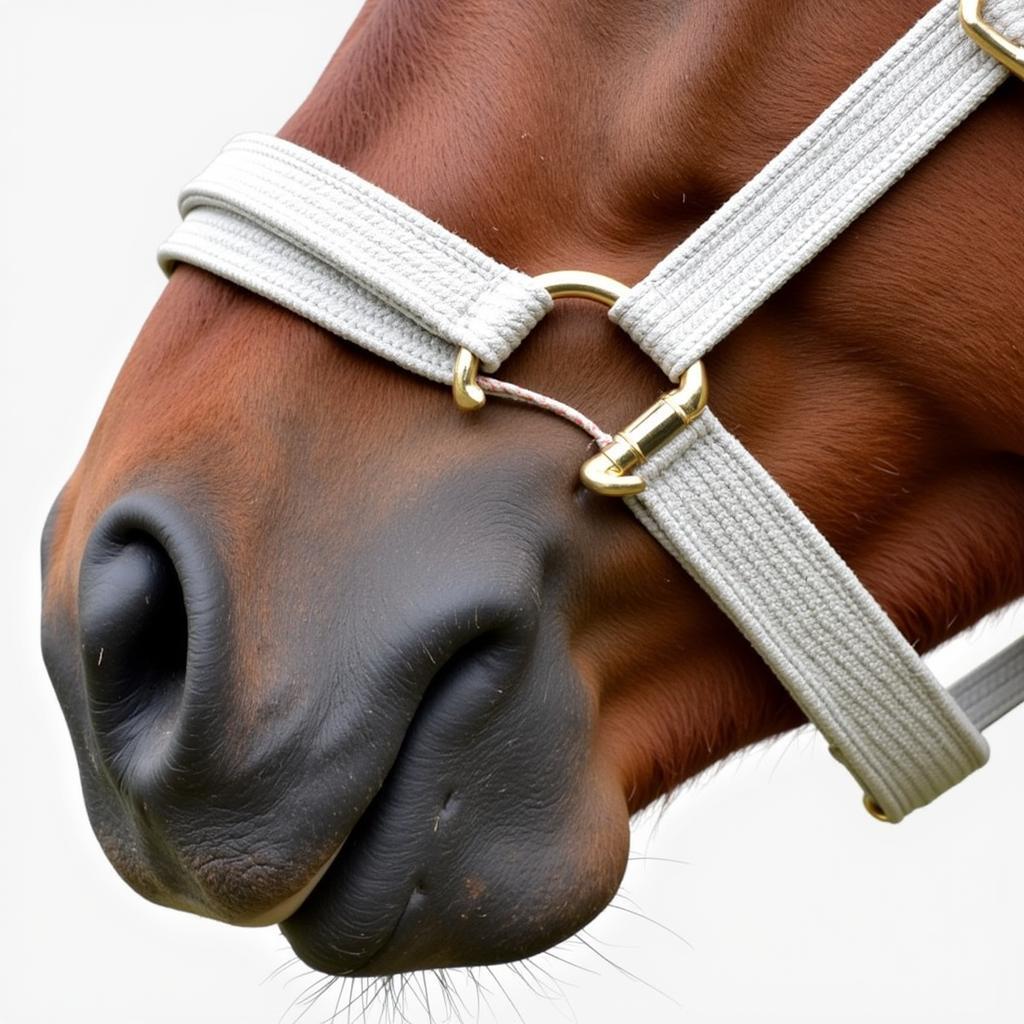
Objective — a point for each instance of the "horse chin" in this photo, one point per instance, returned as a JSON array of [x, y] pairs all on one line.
[[487, 841], [402, 897]]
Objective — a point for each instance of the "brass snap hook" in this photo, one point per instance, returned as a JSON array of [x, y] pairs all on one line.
[[611, 470]]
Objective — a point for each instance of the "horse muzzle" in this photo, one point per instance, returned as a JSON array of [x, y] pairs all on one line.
[[402, 774]]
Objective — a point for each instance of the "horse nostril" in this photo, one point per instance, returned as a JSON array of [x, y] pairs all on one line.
[[134, 636]]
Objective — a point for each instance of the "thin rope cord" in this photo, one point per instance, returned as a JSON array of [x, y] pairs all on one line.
[[503, 389]]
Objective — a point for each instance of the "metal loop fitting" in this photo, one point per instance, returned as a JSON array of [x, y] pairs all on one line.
[[611, 470], [992, 41], [559, 284]]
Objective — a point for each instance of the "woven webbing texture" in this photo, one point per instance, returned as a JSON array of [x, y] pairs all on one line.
[[241, 251], [384, 247], [878, 129], [713, 506], [993, 688]]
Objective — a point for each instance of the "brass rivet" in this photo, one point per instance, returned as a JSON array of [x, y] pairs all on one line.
[[874, 808]]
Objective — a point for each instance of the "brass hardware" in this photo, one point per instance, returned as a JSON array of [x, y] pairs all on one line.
[[874, 808], [560, 284], [582, 284], [467, 393], [871, 805], [993, 42], [610, 471]]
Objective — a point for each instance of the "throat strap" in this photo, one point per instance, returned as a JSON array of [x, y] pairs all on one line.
[[313, 237]]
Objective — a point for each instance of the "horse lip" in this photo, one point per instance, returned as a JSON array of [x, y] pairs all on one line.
[[288, 906]]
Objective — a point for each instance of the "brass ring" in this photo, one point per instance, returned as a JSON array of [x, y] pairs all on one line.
[[559, 284], [582, 284]]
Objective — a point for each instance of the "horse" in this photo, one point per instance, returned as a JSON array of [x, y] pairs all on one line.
[[384, 674]]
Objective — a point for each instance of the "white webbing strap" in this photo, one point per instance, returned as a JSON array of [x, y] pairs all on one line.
[[994, 687], [241, 251], [314, 238], [382, 246], [885, 716], [859, 147]]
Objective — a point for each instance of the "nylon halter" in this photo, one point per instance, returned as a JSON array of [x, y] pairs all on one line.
[[315, 238]]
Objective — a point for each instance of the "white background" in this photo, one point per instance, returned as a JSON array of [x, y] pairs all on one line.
[[790, 904]]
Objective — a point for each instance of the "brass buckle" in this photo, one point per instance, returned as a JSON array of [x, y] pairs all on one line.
[[610, 471], [993, 42]]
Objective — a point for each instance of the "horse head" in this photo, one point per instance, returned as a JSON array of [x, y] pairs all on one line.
[[337, 655]]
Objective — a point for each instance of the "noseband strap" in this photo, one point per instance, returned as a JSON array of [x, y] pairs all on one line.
[[315, 237], [318, 240]]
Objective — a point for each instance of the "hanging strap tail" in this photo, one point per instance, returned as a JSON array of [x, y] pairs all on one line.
[[729, 524]]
